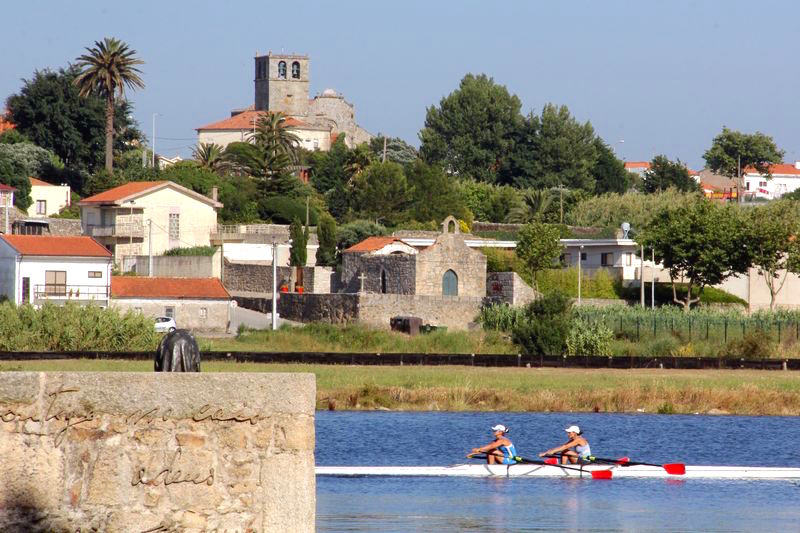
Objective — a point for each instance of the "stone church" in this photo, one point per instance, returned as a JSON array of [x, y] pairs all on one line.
[[282, 85]]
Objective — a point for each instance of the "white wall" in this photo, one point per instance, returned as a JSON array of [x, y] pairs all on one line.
[[77, 269], [239, 252], [8, 271], [56, 197], [309, 139], [187, 311]]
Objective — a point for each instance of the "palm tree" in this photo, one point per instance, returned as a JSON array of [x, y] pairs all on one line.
[[275, 137], [106, 70], [533, 207], [208, 155]]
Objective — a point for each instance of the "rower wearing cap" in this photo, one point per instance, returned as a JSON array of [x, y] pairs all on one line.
[[501, 450], [574, 449]]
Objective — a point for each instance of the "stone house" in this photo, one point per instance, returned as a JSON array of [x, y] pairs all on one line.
[[144, 217], [200, 304], [41, 268], [387, 265]]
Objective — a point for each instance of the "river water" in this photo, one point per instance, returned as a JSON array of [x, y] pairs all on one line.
[[544, 504]]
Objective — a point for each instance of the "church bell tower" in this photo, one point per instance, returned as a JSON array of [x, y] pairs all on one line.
[[281, 83]]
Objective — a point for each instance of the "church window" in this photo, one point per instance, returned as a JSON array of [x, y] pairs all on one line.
[[295, 70], [282, 70], [383, 282], [450, 284]]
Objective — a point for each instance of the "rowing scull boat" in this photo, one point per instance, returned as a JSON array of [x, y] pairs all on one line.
[[525, 470]]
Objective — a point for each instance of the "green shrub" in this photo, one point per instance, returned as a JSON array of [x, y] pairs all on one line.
[[501, 317], [754, 345], [597, 284], [283, 210], [545, 326], [354, 232], [74, 327], [207, 251], [589, 338]]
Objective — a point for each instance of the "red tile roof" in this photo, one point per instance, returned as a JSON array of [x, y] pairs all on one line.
[[780, 168], [123, 191], [371, 244], [39, 182], [5, 123], [46, 245], [637, 164], [244, 121], [172, 288], [7, 188]]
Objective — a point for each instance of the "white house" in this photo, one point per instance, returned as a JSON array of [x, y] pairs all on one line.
[[143, 217], [47, 199], [785, 179], [240, 127], [41, 268]]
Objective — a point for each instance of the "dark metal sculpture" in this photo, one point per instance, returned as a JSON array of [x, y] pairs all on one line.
[[178, 352]]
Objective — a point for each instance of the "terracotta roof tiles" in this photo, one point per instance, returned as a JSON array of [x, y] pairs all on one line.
[[172, 288], [244, 121], [39, 182], [371, 244], [46, 245], [786, 169], [121, 192]]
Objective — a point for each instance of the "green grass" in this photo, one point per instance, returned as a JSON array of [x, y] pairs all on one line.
[[318, 337], [512, 389]]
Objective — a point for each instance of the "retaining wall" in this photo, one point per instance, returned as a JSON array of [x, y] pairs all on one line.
[[120, 451]]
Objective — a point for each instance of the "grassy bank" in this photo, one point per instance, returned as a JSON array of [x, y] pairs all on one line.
[[516, 389], [334, 338]]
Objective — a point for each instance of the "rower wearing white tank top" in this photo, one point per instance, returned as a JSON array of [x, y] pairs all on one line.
[[576, 448]]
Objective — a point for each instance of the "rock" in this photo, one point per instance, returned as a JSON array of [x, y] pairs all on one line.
[[717, 412]]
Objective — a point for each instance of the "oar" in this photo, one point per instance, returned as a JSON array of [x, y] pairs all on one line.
[[675, 469]]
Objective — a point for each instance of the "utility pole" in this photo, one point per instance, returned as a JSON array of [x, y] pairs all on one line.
[[653, 283], [641, 276], [384, 150], [274, 285], [561, 201], [580, 260], [150, 247]]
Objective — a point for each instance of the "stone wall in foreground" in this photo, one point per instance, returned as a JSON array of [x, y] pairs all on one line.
[[136, 452]]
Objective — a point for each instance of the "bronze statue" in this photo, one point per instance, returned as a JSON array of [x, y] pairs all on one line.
[[178, 352]]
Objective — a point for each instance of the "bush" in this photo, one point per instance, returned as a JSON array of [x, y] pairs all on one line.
[[589, 338], [74, 327], [545, 326], [283, 210], [597, 284], [356, 231], [501, 317], [207, 251], [754, 345]]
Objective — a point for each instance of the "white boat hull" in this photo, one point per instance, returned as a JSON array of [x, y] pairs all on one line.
[[473, 470]]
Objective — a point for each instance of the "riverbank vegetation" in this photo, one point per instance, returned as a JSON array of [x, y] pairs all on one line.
[[358, 338], [460, 388]]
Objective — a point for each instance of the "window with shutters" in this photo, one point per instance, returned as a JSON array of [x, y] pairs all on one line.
[[55, 282]]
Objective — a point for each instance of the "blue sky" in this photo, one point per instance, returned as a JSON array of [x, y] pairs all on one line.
[[662, 76]]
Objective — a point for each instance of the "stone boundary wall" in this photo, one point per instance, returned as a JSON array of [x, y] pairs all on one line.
[[134, 451], [508, 288], [373, 309], [257, 277], [180, 266]]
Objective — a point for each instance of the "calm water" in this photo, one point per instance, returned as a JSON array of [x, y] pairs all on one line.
[[502, 504]]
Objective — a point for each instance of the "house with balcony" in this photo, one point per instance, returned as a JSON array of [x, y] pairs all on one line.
[[148, 217], [38, 269]]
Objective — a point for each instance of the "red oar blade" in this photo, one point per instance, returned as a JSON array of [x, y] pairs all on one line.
[[676, 469], [551, 461], [623, 460], [602, 474]]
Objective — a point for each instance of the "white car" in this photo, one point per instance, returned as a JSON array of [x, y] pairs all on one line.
[[165, 324]]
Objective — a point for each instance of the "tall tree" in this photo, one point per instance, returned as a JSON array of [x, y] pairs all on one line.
[[472, 129], [434, 195], [664, 174], [383, 192], [208, 155], [326, 234], [773, 232], [49, 111], [533, 207], [700, 244], [396, 149], [539, 246], [331, 169], [106, 70], [565, 151], [609, 172], [733, 151], [274, 136]]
